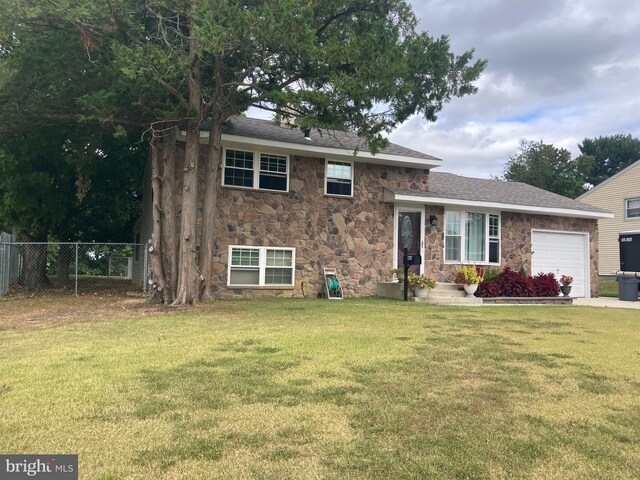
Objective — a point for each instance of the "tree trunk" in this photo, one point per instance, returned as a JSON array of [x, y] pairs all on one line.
[[169, 241], [34, 263], [207, 249], [158, 281], [189, 279], [66, 254]]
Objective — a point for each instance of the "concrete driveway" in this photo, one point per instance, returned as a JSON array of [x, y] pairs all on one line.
[[605, 302]]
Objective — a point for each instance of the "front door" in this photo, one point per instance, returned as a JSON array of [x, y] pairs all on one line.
[[409, 234]]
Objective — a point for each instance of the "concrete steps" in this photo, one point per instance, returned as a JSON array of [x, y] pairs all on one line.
[[443, 294], [449, 294]]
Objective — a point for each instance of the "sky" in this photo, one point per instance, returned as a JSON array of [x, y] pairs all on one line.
[[558, 71]]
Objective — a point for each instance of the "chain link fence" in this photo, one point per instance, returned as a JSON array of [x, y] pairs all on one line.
[[75, 268]]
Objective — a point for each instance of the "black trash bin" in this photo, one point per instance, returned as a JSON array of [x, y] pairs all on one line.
[[628, 287]]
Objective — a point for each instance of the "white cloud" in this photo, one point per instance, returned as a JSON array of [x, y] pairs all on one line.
[[558, 71]]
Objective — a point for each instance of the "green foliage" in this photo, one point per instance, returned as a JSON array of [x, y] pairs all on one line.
[[421, 281], [612, 154], [469, 275], [77, 183], [359, 65], [550, 168]]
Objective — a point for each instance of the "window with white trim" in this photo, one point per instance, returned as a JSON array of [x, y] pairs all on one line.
[[494, 238], [472, 237], [262, 171], [632, 208], [261, 266], [339, 178]]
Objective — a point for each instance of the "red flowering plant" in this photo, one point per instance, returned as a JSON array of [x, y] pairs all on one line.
[[566, 280]]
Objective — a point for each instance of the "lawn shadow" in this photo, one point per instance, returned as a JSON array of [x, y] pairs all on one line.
[[238, 373]]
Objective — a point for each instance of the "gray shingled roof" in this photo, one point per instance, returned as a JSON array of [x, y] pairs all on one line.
[[451, 186], [270, 130]]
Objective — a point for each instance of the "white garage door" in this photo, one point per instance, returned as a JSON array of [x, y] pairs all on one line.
[[563, 254]]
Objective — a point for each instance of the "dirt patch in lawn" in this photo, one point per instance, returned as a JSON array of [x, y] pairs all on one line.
[[21, 312]]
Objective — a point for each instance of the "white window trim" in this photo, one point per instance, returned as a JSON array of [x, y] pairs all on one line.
[[626, 208], [326, 165], [256, 169], [463, 236], [262, 266]]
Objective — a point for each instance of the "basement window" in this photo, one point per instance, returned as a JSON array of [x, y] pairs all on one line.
[[261, 266]]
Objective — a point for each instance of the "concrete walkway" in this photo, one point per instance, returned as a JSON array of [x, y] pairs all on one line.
[[605, 302]]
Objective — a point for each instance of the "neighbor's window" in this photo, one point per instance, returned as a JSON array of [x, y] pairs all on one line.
[[632, 208], [261, 266], [472, 237], [270, 172], [339, 178]]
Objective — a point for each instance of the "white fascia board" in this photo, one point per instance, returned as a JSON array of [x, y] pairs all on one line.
[[329, 152], [505, 207], [274, 146]]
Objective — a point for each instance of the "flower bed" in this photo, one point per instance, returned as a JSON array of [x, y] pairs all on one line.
[[510, 283]]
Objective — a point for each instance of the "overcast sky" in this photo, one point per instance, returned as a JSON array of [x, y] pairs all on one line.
[[559, 71]]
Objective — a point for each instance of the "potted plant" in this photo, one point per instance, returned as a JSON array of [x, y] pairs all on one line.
[[470, 276], [565, 284], [397, 274], [421, 284]]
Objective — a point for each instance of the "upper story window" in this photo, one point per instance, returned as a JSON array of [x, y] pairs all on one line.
[[339, 178], [632, 208], [263, 171], [472, 237]]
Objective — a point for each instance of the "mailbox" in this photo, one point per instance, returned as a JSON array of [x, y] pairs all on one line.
[[407, 261], [412, 259]]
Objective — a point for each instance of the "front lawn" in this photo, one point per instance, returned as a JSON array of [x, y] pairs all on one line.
[[363, 388]]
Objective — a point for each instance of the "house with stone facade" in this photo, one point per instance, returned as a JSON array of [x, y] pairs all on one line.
[[291, 204]]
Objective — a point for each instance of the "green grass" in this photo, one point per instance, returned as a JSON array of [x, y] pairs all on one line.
[[364, 388], [608, 288]]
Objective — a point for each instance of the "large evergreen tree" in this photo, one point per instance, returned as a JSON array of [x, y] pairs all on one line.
[[612, 154], [75, 183], [359, 65]]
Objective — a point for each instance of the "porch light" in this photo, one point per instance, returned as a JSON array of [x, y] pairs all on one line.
[[433, 220]]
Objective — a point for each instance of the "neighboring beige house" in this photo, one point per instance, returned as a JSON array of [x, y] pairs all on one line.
[[620, 195], [290, 204]]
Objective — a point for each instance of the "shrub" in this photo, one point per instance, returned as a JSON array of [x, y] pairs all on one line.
[[491, 273], [546, 285], [421, 281], [469, 275], [488, 288], [514, 284]]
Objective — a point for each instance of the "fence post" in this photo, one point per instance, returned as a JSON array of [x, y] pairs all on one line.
[[76, 269], [7, 269], [4, 251], [145, 286]]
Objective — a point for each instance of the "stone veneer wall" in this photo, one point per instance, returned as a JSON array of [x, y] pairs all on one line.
[[353, 235], [515, 237]]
